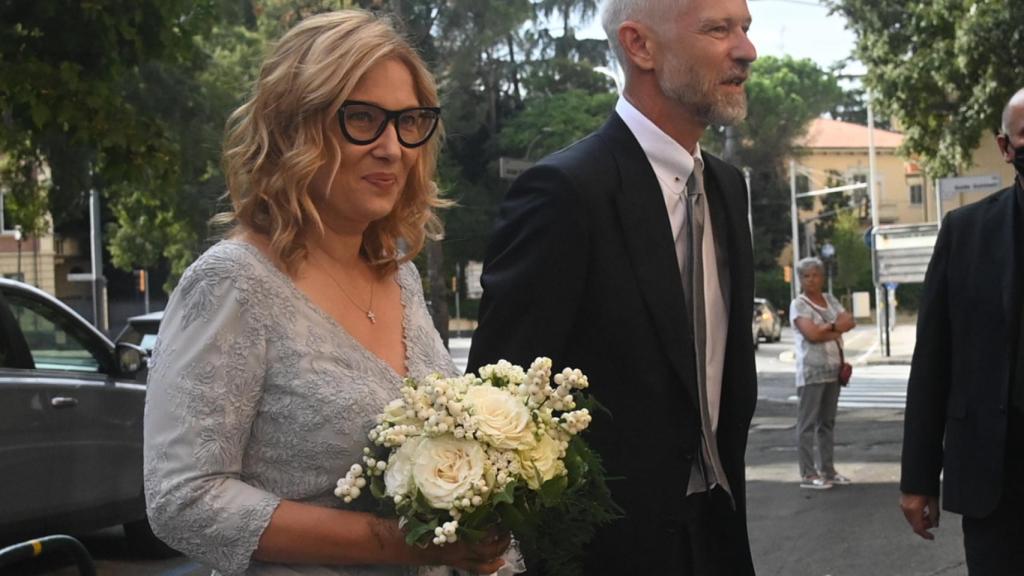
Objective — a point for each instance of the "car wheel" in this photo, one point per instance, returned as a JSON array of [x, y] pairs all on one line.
[[141, 540]]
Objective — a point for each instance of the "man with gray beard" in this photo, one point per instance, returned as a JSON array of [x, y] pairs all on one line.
[[627, 255]]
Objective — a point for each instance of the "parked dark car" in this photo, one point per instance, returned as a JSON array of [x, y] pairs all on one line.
[[70, 423], [141, 330], [770, 320]]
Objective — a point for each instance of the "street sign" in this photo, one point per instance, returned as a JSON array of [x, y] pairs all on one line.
[[950, 187], [902, 252], [511, 168], [473, 288]]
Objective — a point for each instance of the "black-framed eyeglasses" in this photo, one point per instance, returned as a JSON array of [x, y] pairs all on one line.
[[362, 123]]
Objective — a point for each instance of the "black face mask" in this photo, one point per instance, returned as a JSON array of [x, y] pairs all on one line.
[[1018, 158]]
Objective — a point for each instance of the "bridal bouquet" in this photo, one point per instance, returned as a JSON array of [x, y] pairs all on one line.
[[454, 457]]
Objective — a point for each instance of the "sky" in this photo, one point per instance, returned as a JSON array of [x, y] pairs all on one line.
[[800, 28]]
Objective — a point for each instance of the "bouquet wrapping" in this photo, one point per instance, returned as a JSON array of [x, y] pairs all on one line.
[[455, 457]]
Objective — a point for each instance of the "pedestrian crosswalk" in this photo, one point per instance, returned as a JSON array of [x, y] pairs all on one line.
[[874, 387]]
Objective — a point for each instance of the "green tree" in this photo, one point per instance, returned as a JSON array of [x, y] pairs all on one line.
[[784, 95], [853, 257], [942, 68], [103, 96]]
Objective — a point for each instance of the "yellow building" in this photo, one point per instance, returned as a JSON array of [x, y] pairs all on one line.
[[834, 153], [44, 261]]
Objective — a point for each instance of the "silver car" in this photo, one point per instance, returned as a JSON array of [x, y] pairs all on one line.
[[70, 423]]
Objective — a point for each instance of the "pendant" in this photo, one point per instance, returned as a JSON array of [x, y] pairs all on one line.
[[371, 316]]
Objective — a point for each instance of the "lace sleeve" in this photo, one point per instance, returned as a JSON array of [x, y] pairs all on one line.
[[205, 385]]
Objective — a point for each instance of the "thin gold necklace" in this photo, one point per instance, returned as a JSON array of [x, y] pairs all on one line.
[[368, 310]]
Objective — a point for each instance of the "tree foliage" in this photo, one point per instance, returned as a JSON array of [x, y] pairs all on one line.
[[784, 95], [105, 96], [943, 69]]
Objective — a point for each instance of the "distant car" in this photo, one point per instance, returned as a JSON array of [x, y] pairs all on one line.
[[770, 320], [142, 330], [70, 423]]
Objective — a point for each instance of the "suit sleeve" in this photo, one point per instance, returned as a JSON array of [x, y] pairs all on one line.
[[930, 373], [534, 272]]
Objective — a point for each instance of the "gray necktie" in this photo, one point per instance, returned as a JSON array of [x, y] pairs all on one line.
[[711, 465]]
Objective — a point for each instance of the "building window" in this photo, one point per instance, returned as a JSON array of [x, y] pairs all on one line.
[[916, 193], [6, 221]]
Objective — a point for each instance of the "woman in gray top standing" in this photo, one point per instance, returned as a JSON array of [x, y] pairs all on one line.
[[282, 343], [819, 322]]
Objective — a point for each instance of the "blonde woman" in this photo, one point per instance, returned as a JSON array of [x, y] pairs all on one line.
[[282, 342]]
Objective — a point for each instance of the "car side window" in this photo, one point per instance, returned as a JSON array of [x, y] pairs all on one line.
[[51, 337]]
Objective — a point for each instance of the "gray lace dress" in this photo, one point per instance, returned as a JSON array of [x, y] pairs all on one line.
[[256, 395]]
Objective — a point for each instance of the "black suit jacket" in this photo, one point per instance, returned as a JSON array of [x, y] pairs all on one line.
[[958, 395], [582, 268]]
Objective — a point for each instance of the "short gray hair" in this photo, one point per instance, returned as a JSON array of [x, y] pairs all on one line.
[[805, 264], [1016, 100], [615, 12]]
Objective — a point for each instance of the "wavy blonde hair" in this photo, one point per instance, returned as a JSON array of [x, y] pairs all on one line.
[[276, 141]]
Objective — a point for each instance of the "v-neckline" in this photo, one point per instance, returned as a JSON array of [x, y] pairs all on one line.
[[330, 320]]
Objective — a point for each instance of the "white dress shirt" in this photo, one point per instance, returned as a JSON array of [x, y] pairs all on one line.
[[672, 164]]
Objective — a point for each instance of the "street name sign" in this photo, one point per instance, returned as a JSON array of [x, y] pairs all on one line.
[[950, 187], [902, 252], [511, 168]]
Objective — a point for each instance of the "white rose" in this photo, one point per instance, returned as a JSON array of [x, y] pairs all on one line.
[[398, 475], [445, 468], [502, 419], [542, 462]]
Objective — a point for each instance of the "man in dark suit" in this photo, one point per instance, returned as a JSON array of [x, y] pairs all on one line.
[[965, 400], [628, 255]]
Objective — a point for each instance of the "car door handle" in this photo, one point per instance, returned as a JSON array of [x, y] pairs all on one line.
[[63, 402]]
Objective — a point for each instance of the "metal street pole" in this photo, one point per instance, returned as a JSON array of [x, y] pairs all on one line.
[[18, 236], [96, 236], [794, 221], [883, 335], [938, 204]]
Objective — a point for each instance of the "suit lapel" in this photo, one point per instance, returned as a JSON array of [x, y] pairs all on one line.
[[1003, 261], [649, 243], [720, 205]]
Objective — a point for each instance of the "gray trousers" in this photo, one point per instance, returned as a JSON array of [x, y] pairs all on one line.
[[816, 419]]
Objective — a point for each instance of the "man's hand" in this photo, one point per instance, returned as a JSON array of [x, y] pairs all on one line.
[[921, 512]]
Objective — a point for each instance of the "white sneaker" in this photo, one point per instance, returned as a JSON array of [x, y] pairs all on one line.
[[815, 483], [839, 480]]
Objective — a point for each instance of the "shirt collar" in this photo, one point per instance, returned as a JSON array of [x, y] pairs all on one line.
[[670, 161]]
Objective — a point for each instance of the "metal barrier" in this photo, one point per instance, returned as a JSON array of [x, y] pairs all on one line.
[[34, 548]]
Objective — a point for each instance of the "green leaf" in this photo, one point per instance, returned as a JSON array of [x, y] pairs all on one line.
[[552, 490], [416, 529], [506, 495], [377, 487]]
